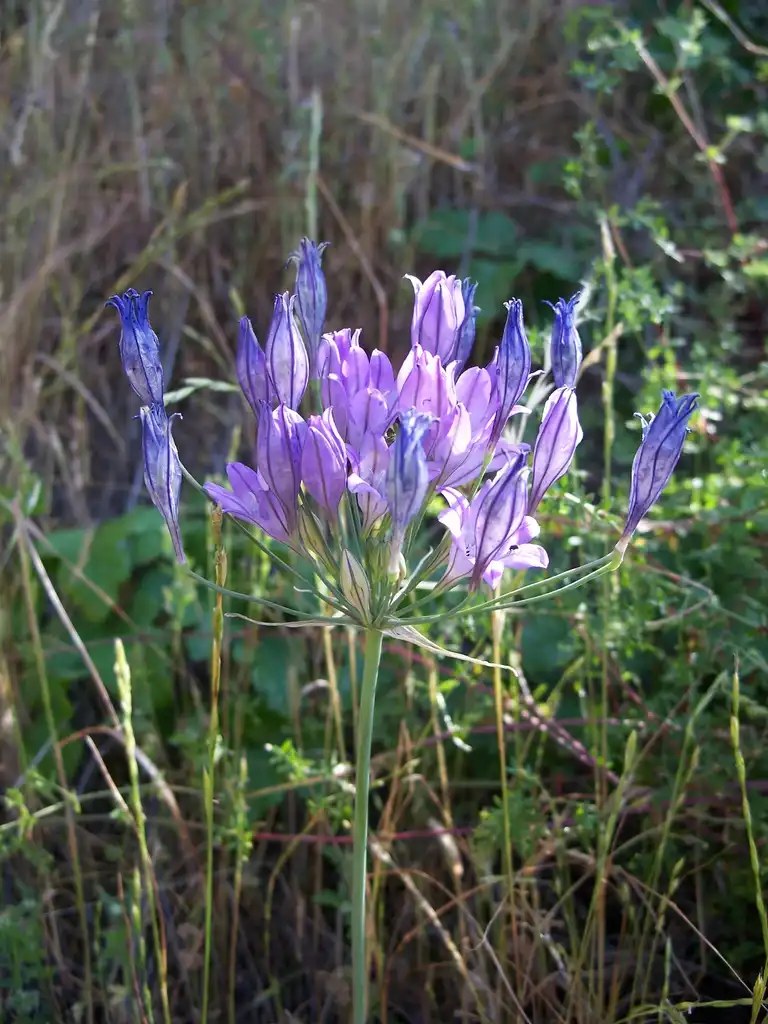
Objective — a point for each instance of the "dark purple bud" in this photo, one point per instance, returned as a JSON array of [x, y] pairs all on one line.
[[285, 354], [559, 434], [311, 295], [407, 479], [251, 368], [467, 330], [513, 366], [565, 346], [660, 449], [324, 462], [438, 313], [162, 469], [139, 347]]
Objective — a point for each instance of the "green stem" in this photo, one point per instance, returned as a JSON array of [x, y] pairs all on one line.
[[373, 640], [209, 773]]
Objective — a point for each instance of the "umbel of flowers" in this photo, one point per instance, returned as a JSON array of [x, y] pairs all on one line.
[[350, 450]]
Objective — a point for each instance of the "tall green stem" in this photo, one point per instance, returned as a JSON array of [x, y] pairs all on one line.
[[373, 639], [209, 773]]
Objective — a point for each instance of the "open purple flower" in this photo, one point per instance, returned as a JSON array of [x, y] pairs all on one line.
[[311, 295], [513, 365], [285, 354], [565, 345], [139, 346], [251, 500], [559, 434], [438, 314], [660, 449], [492, 531], [324, 462], [251, 368], [162, 469], [350, 381]]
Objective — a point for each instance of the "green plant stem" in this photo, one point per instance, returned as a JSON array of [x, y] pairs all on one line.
[[53, 735], [213, 735], [145, 881], [371, 658], [497, 626]]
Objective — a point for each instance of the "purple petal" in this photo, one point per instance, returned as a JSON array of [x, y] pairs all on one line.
[[250, 501], [251, 367], [559, 434], [368, 413], [438, 314], [285, 354], [280, 442]]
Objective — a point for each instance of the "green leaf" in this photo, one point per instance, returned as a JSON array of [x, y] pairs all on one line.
[[555, 259], [547, 646], [495, 285], [447, 234], [273, 658]]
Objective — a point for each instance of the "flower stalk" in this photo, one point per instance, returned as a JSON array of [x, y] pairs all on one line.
[[371, 659]]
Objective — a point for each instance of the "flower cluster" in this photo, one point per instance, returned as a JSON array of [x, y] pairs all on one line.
[[381, 444], [350, 452]]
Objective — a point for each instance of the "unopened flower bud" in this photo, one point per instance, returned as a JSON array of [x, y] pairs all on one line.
[[311, 295], [355, 585], [566, 343], [285, 354], [139, 347], [660, 449]]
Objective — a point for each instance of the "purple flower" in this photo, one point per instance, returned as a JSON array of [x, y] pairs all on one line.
[[324, 462], [251, 500], [139, 347], [367, 412], [251, 368], [285, 354], [311, 295], [513, 365], [348, 380], [559, 434], [382, 376], [438, 314], [565, 345], [334, 349], [466, 339], [162, 469], [407, 479], [424, 385], [280, 443], [657, 456], [492, 531], [368, 479]]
